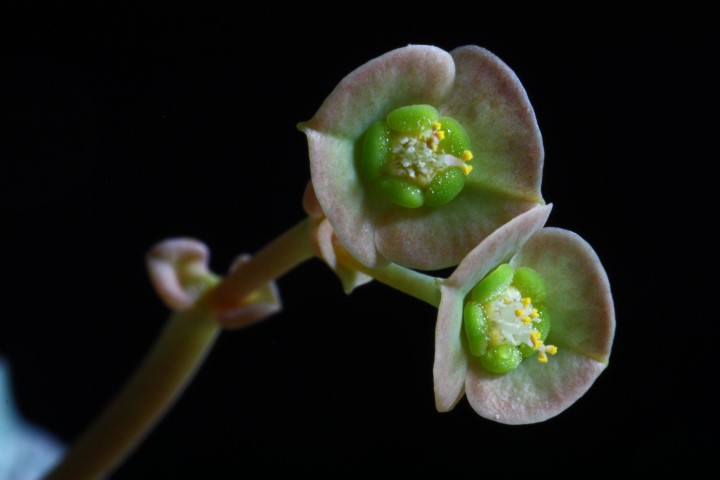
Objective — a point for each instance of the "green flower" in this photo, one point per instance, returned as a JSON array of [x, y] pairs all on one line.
[[420, 154], [516, 367]]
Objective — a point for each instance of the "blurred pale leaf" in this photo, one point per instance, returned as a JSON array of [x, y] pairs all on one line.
[[26, 452]]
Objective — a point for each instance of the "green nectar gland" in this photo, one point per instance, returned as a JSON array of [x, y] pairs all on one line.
[[503, 323], [414, 157]]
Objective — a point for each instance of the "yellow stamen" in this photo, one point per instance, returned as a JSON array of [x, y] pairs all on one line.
[[536, 341], [551, 349], [535, 313], [526, 301], [436, 125], [465, 168], [519, 312], [526, 320], [542, 358], [506, 301], [440, 135], [433, 146], [467, 155]]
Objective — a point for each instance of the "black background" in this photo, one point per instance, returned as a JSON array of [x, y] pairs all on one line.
[[133, 125]]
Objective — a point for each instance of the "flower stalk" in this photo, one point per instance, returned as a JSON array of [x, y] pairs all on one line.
[[419, 285], [166, 371], [179, 272], [276, 259]]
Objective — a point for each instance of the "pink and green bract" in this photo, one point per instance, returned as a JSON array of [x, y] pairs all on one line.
[[476, 89], [583, 325]]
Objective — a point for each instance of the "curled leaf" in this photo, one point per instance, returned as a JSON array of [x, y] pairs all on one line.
[[178, 270]]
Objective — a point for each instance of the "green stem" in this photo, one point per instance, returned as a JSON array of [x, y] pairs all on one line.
[[273, 261], [416, 284], [187, 339], [173, 360], [171, 364]]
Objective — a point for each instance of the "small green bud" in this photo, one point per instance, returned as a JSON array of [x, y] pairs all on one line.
[[375, 151], [494, 284], [501, 359], [412, 118], [476, 328], [456, 139], [445, 186], [400, 191], [530, 284]]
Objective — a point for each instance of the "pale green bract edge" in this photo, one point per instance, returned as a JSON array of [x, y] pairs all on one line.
[[350, 217], [579, 297], [497, 248], [534, 392], [451, 356], [411, 239], [491, 103]]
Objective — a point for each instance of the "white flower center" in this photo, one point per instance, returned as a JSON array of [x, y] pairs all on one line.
[[511, 318], [418, 159]]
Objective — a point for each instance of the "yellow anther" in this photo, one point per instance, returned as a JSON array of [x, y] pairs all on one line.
[[536, 341], [440, 134], [466, 169], [526, 301], [436, 125], [551, 349], [542, 358], [466, 155], [526, 320], [519, 312], [535, 313], [506, 301]]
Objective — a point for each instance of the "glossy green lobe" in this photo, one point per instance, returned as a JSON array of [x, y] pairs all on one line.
[[400, 191], [412, 118], [456, 138], [501, 359], [494, 284], [476, 328], [526, 351], [375, 151], [445, 186], [543, 326], [531, 284]]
